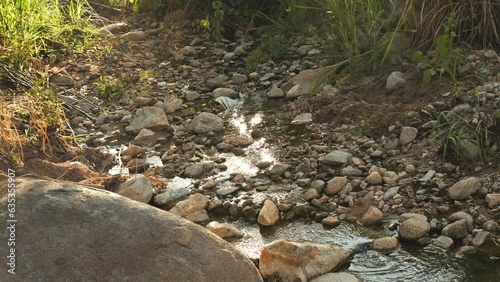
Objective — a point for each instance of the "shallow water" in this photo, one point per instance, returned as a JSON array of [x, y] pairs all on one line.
[[409, 263]]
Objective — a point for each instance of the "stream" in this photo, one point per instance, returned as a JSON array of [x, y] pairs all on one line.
[[409, 263]]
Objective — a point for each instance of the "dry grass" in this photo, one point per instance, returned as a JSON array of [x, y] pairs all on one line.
[[478, 21], [10, 139]]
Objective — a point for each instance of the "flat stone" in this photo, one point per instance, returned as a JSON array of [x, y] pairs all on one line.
[[152, 118], [279, 169], [336, 158], [224, 191], [304, 118], [205, 123], [330, 221], [224, 230], [481, 238]]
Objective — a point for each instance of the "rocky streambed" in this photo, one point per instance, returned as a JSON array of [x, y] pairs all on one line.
[[292, 177]]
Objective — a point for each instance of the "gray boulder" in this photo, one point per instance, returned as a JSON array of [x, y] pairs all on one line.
[[336, 158], [414, 229], [408, 134], [73, 232], [457, 230]]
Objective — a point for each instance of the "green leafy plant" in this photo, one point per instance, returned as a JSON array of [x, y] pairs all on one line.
[[447, 57], [107, 89]]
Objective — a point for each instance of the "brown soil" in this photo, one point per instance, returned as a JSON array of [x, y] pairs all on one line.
[[371, 102]]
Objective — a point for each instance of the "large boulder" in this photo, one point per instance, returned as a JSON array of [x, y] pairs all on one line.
[[66, 232], [205, 123], [292, 261]]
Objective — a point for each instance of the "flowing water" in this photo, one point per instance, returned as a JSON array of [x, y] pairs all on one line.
[[409, 263]]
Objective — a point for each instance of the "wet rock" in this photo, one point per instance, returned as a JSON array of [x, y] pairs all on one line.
[[335, 185], [225, 92], [152, 118], [205, 123], [304, 118], [193, 208], [457, 230], [464, 188], [395, 80], [61, 79], [414, 228], [92, 223], [136, 35], [443, 242], [493, 199], [137, 188], [330, 221], [279, 169], [275, 92], [372, 216], [337, 277], [336, 158], [263, 164], [481, 238], [374, 178], [269, 214], [240, 141], [224, 230], [408, 134], [292, 261], [115, 28], [385, 244]]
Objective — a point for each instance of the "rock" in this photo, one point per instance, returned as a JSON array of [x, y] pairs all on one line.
[[209, 184], [275, 92], [414, 229], [215, 82], [225, 92], [178, 188], [481, 238], [390, 177], [173, 105], [193, 208], [391, 192], [318, 185], [374, 178], [239, 78], [269, 214], [335, 185], [205, 123], [408, 215], [350, 171], [304, 118], [198, 170], [492, 199], [133, 151], [464, 188], [311, 194], [428, 176], [491, 225], [307, 80], [457, 230], [115, 28], [337, 277], [292, 261], [61, 79], [71, 171], [443, 242], [136, 35], [394, 80], [137, 188], [188, 50], [224, 230], [385, 244], [192, 95], [279, 169], [145, 136], [152, 118], [463, 215], [372, 216], [224, 191], [297, 91], [336, 158], [408, 134], [330, 221], [85, 234]]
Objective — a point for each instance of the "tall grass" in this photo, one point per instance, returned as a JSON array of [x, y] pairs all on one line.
[[27, 25]]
